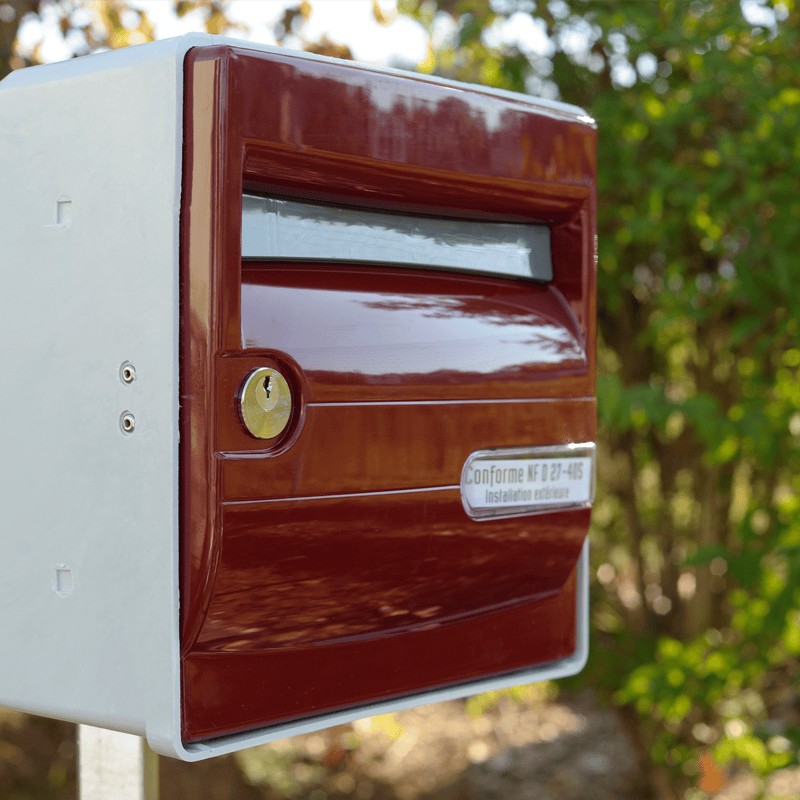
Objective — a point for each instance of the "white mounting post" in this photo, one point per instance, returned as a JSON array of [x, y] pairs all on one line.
[[115, 765]]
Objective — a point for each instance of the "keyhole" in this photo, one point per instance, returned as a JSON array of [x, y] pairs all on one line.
[[266, 402]]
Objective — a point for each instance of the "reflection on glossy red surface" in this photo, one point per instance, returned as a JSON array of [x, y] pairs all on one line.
[[335, 566], [354, 447], [291, 682], [422, 335], [301, 579]]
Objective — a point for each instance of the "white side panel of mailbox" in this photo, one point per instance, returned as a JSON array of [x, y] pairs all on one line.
[[90, 155]]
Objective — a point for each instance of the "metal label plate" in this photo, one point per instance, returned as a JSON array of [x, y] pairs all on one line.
[[531, 480]]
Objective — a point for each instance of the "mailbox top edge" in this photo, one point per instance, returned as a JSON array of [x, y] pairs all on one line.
[[177, 47]]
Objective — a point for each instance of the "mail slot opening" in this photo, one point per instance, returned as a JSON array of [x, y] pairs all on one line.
[[288, 230]]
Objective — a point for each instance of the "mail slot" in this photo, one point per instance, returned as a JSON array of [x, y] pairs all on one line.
[[299, 401]]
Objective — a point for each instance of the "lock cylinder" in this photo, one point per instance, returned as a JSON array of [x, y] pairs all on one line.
[[265, 403]]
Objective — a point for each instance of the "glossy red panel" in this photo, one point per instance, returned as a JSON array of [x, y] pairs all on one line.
[[292, 682], [370, 447], [335, 565], [333, 569], [379, 333]]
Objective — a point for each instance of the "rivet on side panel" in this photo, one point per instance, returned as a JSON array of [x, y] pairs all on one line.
[[64, 212], [127, 422], [127, 372], [63, 582]]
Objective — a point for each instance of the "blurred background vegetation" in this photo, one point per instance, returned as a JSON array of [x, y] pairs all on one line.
[[696, 532]]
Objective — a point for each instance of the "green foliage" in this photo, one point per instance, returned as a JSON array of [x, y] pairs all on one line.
[[698, 514], [480, 704]]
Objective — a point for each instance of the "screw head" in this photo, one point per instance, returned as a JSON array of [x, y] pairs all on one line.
[[265, 402]]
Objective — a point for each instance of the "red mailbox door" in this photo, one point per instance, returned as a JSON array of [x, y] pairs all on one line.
[[374, 549]]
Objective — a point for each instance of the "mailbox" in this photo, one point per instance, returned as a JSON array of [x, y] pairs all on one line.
[[298, 408]]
